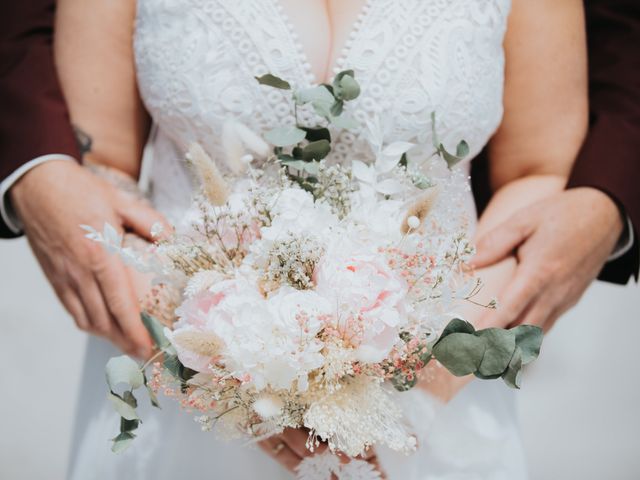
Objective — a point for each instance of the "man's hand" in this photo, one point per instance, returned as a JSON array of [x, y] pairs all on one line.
[[52, 201], [561, 244]]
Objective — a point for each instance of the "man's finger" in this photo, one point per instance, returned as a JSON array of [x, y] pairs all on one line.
[[119, 295], [502, 240], [100, 320], [73, 305], [140, 217]]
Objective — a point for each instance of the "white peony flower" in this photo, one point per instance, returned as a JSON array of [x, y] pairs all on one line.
[[369, 298], [271, 342], [294, 211]]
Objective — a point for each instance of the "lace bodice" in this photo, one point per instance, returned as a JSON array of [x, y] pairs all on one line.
[[196, 61]]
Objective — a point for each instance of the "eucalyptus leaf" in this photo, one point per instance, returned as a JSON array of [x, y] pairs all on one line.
[[297, 153], [402, 384], [340, 75], [283, 157], [451, 159], [460, 353], [125, 410], [322, 109], [273, 81], [155, 329], [172, 365], [318, 94], [285, 136], [434, 132], [316, 150], [315, 134], [529, 340], [462, 150], [344, 121], [128, 425], [500, 345], [123, 369], [347, 88], [488, 377], [130, 399], [122, 442], [514, 371], [421, 182], [457, 325], [337, 108], [309, 167]]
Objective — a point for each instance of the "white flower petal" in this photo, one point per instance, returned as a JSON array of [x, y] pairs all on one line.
[[362, 172], [396, 149]]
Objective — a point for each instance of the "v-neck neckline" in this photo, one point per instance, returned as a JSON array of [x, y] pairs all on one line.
[[341, 60]]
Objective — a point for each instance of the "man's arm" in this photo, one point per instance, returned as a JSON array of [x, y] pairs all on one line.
[[610, 157], [34, 123], [563, 242], [609, 160]]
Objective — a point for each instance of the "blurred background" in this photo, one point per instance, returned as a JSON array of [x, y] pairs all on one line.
[[579, 406]]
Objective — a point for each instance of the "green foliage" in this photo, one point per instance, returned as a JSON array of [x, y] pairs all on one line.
[[125, 409], [122, 442], [345, 87], [156, 330], [123, 369], [300, 148], [285, 136], [529, 339], [489, 353], [462, 149], [316, 150], [273, 81]]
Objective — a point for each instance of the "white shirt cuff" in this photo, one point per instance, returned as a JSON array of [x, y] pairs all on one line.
[[9, 217], [625, 243]]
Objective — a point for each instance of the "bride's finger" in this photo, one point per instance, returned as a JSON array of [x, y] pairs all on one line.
[[517, 296], [141, 217], [277, 449], [502, 240], [537, 313], [296, 440]]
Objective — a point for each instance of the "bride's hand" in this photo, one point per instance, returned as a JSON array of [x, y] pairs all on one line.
[[289, 449], [52, 201]]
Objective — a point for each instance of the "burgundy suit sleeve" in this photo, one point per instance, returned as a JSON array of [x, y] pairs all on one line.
[[33, 117], [610, 157]]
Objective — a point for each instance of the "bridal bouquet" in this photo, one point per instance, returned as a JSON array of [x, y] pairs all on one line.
[[307, 292]]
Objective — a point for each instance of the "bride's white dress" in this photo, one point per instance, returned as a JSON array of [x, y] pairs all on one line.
[[196, 62]]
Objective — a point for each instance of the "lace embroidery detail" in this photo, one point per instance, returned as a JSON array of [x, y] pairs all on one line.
[[196, 60]]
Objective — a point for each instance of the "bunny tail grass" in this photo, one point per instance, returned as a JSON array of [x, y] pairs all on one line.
[[213, 183]]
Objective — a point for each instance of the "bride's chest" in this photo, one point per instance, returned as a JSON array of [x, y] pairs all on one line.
[[197, 59]]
